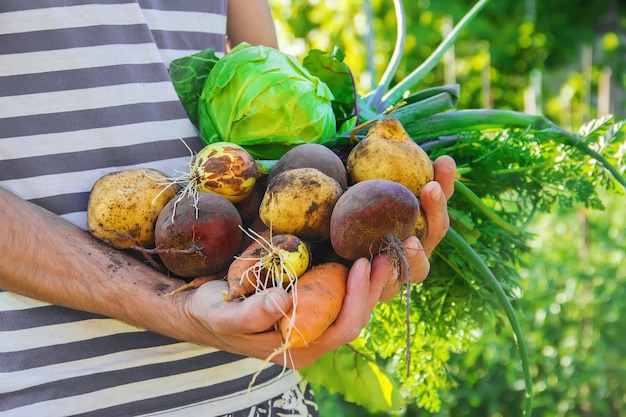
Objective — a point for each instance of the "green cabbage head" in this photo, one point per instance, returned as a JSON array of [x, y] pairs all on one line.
[[265, 101]]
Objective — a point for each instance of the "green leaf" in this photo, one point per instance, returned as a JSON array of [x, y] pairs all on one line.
[[330, 68], [188, 75], [596, 127], [359, 379]]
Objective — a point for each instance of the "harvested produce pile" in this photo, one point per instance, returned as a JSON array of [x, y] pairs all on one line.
[[286, 188], [193, 223]]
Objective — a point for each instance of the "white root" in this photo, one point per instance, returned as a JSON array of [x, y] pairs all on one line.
[[187, 180], [273, 263], [276, 267]]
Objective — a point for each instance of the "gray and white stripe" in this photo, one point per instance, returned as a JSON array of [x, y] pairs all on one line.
[[84, 90]]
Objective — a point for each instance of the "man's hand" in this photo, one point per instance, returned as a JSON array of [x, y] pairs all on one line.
[[246, 326], [434, 200]]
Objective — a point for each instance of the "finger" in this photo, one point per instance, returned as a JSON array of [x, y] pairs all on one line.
[[384, 280], [256, 313], [390, 290], [435, 207], [445, 172], [355, 312], [419, 267]]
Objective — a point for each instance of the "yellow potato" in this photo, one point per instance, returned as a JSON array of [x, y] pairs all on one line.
[[124, 206], [389, 153], [300, 202], [421, 226]]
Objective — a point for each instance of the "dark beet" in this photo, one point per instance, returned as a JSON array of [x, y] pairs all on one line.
[[370, 216], [201, 238], [312, 155]]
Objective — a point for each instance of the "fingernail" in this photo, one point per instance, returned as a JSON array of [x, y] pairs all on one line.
[[367, 266], [412, 242], [274, 303], [436, 193], [394, 276], [368, 269]]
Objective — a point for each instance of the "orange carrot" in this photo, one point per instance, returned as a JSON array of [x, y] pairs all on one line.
[[318, 298], [241, 277]]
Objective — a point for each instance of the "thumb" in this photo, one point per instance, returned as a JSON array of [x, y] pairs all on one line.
[[261, 311], [276, 303], [254, 314]]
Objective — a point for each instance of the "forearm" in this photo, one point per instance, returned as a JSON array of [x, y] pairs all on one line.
[[46, 258], [250, 21]]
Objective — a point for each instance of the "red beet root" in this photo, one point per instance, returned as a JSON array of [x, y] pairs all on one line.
[[370, 217], [201, 237]]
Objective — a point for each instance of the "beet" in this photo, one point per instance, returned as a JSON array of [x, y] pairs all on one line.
[[201, 237], [370, 217], [312, 155]]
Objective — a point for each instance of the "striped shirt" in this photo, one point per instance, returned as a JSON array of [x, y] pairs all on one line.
[[84, 90]]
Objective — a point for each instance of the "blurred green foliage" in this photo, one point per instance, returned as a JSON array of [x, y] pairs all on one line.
[[574, 282], [572, 309], [558, 48]]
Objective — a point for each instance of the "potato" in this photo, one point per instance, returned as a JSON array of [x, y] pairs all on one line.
[[300, 202], [389, 153], [421, 226], [124, 206]]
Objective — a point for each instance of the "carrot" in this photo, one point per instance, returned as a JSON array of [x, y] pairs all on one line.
[[318, 298], [319, 295], [241, 278]]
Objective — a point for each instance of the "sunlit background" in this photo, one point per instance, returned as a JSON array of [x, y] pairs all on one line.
[[563, 59]]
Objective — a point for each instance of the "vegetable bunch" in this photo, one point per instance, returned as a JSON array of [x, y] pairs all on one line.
[[307, 225]]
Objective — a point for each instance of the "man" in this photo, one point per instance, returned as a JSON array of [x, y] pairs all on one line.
[[86, 329]]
